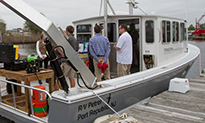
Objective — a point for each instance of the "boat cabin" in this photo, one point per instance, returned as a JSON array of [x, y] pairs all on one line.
[[156, 39]]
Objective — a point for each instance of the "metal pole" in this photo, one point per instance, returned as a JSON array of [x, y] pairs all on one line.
[[111, 8], [141, 10], [31, 104], [105, 18], [13, 92], [101, 7], [131, 7]]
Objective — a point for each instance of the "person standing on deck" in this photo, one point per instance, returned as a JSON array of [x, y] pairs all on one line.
[[124, 51], [99, 47], [41, 51], [135, 44], [66, 68]]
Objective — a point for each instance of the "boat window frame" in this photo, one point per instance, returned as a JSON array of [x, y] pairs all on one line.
[[112, 22], [153, 32], [84, 33], [174, 25], [183, 31], [166, 32]]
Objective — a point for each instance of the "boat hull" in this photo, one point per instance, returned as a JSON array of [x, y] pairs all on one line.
[[88, 110]]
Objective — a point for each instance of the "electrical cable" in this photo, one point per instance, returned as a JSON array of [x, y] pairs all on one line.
[[38, 79], [78, 81], [86, 84], [65, 57]]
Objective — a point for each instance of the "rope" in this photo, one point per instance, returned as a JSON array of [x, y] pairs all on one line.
[[124, 118], [44, 112], [106, 103]]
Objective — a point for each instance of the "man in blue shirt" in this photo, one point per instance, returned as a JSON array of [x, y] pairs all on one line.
[[99, 47]]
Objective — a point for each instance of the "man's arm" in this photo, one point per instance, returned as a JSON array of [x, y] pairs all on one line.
[[37, 49], [92, 51], [107, 51], [117, 48]]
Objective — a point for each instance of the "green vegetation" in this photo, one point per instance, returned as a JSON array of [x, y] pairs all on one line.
[[29, 26], [191, 27], [2, 26], [202, 26]]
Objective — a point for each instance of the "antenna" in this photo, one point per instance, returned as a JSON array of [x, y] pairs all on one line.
[[133, 4]]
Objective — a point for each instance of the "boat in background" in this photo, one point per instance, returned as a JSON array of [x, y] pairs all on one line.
[[164, 54]]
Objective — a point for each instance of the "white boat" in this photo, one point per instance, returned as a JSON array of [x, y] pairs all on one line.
[[164, 54]]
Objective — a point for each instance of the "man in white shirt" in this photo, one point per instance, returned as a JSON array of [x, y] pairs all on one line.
[[124, 51]]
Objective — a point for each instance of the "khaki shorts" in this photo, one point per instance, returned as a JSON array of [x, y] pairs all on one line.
[[123, 69], [67, 70]]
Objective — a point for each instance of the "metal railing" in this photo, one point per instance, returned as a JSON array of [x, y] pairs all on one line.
[[29, 92]]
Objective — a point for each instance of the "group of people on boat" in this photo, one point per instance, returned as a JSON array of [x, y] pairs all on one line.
[[98, 52]]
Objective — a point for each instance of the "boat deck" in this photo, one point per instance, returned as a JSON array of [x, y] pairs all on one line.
[[173, 107]]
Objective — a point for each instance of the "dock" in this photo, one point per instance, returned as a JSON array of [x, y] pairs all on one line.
[[173, 107]]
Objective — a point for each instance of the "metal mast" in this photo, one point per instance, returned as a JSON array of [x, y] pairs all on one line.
[[106, 2], [133, 5], [105, 17]]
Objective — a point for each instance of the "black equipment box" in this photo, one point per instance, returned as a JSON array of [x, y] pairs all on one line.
[[16, 66], [7, 54]]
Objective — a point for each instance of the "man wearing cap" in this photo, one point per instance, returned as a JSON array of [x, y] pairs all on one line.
[[99, 47]]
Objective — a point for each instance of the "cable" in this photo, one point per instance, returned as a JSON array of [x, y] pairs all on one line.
[[106, 103], [78, 81], [85, 83], [65, 57], [38, 78], [61, 48]]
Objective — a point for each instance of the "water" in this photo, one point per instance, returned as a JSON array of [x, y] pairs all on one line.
[[27, 49], [195, 69]]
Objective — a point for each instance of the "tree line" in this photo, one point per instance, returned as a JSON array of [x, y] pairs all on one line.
[[29, 27]]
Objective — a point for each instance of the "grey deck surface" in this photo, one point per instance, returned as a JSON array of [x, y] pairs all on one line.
[[173, 107]]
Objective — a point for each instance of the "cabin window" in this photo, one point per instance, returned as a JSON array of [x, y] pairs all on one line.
[[166, 31], [175, 31], [83, 28], [84, 32], [183, 30], [149, 28], [111, 31], [83, 37]]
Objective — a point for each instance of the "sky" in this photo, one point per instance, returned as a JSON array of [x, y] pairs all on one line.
[[63, 12]]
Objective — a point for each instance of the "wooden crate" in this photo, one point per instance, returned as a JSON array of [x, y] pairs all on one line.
[[20, 101]]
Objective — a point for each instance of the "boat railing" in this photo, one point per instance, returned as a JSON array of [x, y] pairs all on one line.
[[29, 93]]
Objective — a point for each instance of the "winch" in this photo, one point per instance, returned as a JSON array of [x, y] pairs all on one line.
[[33, 64]]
